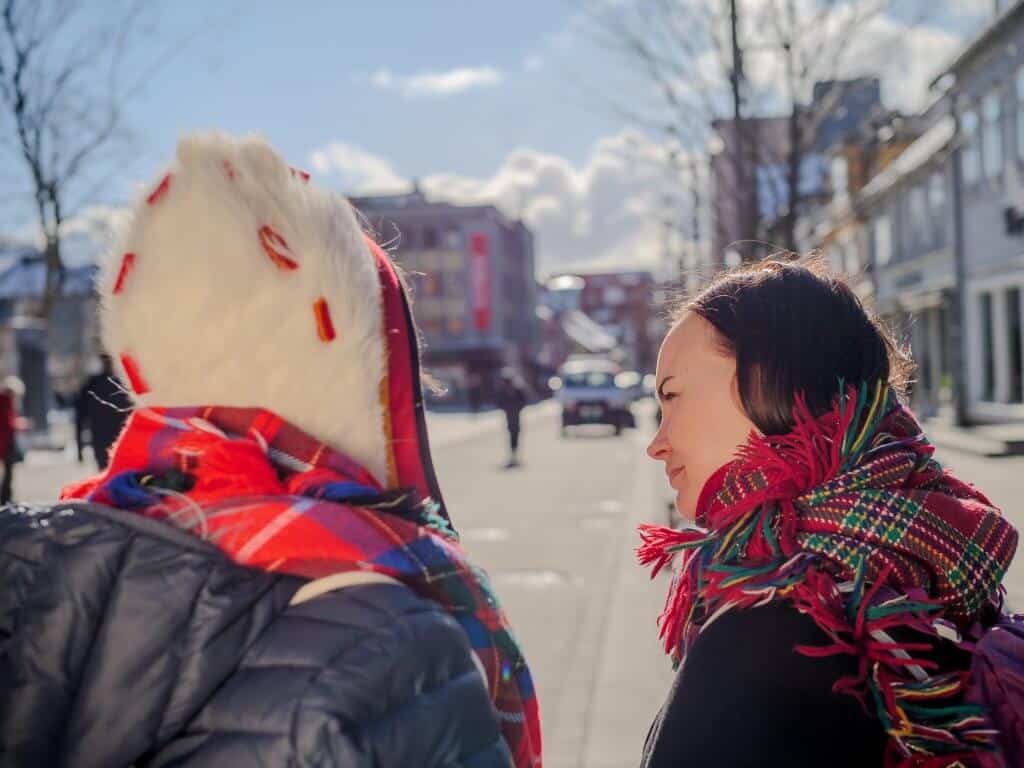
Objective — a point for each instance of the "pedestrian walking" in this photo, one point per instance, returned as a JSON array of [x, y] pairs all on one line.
[[473, 393], [102, 405], [11, 423], [265, 573], [512, 398], [828, 595]]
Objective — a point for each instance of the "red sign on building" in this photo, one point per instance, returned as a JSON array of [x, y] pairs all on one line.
[[480, 276]]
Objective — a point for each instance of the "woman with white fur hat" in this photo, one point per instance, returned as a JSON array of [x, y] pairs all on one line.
[[265, 574]]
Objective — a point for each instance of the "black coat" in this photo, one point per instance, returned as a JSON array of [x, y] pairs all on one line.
[[124, 641], [103, 406], [744, 698]]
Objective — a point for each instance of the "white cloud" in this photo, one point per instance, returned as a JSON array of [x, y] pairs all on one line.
[[533, 63], [85, 236], [356, 170], [856, 41], [430, 84], [845, 38], [605, 214]]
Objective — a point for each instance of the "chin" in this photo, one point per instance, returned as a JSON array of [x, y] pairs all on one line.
[[685, 507]]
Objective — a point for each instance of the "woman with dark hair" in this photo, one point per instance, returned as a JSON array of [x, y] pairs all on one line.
[[820, 609]]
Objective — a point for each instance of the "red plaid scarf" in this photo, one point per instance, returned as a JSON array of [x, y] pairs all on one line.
[[851, 519], [273, 498]]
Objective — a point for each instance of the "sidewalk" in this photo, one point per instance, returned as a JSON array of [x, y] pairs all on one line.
[[986, 440]]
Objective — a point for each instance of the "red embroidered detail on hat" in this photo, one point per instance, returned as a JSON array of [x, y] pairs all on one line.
[[304, 175], [277, 248], [229, 169], [131, 370], [160, 191], [127, 262], [324, 325]]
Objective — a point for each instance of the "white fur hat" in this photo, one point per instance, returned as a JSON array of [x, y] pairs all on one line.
[[238, 283]]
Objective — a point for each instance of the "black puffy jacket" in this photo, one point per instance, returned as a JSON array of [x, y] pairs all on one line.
[[124, 641]]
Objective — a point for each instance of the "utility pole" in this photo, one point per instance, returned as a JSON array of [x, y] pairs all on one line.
[[958, 326], [695, 220], [740, 151], [795, 138]]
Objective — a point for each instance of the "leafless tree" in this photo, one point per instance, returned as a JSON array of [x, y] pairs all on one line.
[[60, 105], [719, 67]]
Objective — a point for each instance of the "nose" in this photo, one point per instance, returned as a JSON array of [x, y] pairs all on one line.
[[659, 448]]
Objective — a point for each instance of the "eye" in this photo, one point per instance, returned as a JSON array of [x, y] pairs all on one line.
[[668, 397]]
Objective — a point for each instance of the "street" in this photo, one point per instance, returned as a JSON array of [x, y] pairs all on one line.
[[557, 537]]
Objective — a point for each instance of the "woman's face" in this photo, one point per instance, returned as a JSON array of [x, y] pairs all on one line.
[[702, 422]]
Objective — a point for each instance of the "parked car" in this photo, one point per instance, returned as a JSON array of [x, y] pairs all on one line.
[[595, 392]]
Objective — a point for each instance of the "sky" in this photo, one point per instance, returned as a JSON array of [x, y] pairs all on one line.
[[519, 104]]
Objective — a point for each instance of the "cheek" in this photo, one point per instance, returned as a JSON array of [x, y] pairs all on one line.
[[708, 437]]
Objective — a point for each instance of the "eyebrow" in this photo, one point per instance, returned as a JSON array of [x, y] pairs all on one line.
[[661, 387]]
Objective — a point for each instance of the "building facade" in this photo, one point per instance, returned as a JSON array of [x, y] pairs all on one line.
[[759, 206], [622, 303], [985, 99], [908, 209], [472, 276]]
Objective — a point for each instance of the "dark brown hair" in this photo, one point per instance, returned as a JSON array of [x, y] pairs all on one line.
[[795, 328]]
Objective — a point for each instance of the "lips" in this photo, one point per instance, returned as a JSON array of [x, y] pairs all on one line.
[[673, 474]]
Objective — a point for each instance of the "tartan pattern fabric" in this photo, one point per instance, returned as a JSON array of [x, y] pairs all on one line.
[[851, 519], [273, 498], [895, 509]]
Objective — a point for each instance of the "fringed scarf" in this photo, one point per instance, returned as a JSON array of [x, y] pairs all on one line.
[[851, 519], [271, 497]]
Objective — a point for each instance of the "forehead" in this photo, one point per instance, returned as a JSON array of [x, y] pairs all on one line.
[[691, 348], [691, 335]]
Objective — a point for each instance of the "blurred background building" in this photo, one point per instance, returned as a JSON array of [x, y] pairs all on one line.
[[472, 271]]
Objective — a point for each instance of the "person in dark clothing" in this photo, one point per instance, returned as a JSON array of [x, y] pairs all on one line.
[[11, 422], [512, 399], [103, 406], [824, 589], [473, 393]]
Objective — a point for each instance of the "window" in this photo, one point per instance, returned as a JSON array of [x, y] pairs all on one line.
[[1013, 336], [1020, 114], [992, 135], [452, 237], [431, 284], [883, 240], [455, 285], [988, 352], [455, 325], [918, 218], [937, 193], [937, 206], [971, 149], [840, 179]]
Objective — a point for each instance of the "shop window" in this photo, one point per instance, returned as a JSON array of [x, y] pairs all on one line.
[[988, 350], [1013, 337]]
